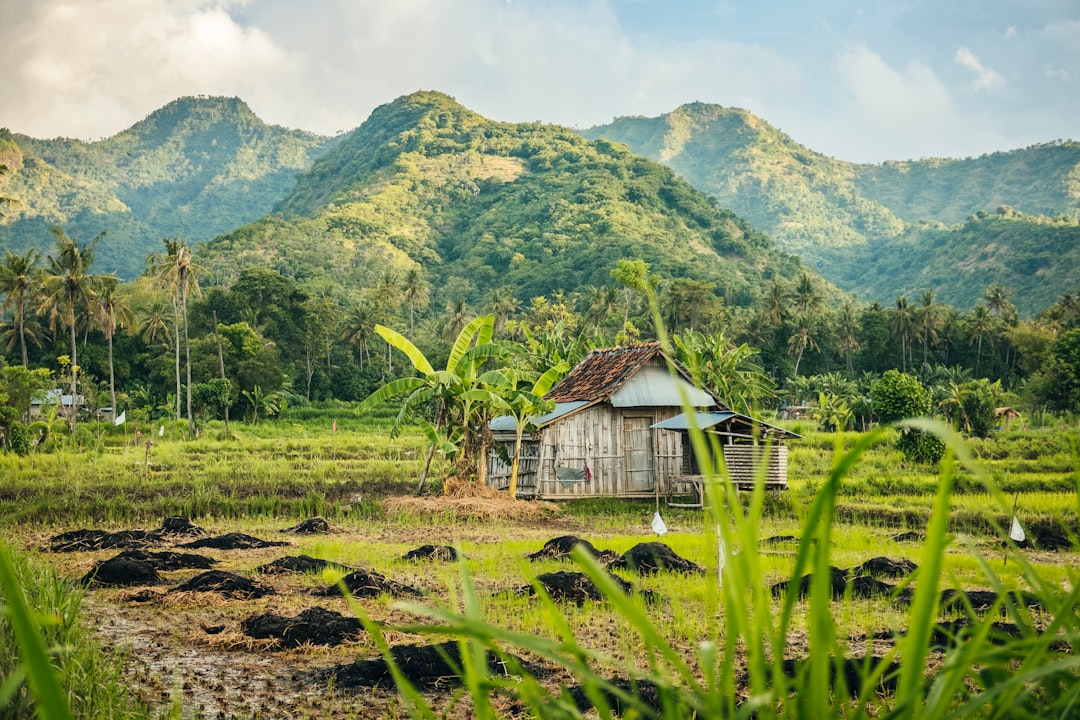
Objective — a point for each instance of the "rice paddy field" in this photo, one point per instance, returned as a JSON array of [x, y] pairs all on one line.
[[872, 587]]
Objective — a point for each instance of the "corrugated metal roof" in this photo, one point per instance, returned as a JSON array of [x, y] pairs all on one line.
[[710, 419], [653, 386], [703, 420], [507, 423]]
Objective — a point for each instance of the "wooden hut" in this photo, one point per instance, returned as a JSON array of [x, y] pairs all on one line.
[[606, 436]]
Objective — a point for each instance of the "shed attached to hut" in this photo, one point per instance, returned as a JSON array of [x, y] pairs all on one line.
[[606, 436]]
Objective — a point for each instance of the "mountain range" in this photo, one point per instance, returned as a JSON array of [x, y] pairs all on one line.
[[704, 192]]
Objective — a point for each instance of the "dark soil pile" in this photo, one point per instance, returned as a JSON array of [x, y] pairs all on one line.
[[909, 536], [862, 586], [445, 553], [574, 587], [853, 670], [225, 583], [983, 600], [563, 546], [886, 567], [179, 525], [955, 632], [780, 540], [433, 667], [314, 626], [168, 560], [297, 564], [233, 541], [644, 697], [311, 526], [652, 557], [83, 540], [122, 570], [368, 583]]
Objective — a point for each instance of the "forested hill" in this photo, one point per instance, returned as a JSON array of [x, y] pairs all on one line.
[[196, 168], [427, 185], [859, 224]]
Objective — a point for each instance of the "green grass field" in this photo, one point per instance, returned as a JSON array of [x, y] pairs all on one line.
[[717, 646]]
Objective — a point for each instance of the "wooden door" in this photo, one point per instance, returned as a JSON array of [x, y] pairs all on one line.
[[639, 460]]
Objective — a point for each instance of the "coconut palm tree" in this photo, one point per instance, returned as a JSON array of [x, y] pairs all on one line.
[[847, 332], [903, 322], [416, 292], [929, 321], [113, 313], [179, 274], [19, 276], [980, 324], [69, 290]]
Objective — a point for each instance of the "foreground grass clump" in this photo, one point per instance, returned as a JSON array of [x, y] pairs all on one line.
[[745, 663], [44, 647]]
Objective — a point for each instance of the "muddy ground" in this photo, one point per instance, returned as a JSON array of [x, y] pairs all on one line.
[[241, 625]]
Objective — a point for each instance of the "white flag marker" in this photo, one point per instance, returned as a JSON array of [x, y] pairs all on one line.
[[658, 525]]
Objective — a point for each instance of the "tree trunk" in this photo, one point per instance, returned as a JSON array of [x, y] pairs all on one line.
[[176, 335], [221, 366], [514, 465], [74, 374], [22, 328], [187, 357], [112, 377]]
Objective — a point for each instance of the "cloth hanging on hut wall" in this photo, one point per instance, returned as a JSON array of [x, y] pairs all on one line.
[[571, 476]]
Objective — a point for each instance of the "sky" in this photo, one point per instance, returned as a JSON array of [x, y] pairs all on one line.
[[861, 81]]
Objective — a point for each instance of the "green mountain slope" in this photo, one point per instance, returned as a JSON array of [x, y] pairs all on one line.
[[196, 168], [478, 204], [807, 202], [880, 230], [1035, 258], [1039, 180]]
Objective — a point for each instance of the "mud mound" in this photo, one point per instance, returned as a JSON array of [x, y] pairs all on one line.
[[311, 526], [233, 541], [574, 587], [445, 553], [1049, 533], [122, 570], [982, 600], [433, 667], [645, 697], [563, 546], [955, 632], [168, 560], [909, 536], [652, 557], [780, 540], [368, 583], [862, 586], [179, 525], [886, 567], [297, 564], [227, 584], [314, 626], [853, 670], [83, 540]]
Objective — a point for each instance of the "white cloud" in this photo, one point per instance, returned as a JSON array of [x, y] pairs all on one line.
[[985, 78]]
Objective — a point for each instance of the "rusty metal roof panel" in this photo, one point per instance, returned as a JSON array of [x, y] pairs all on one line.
[[603, 372]]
